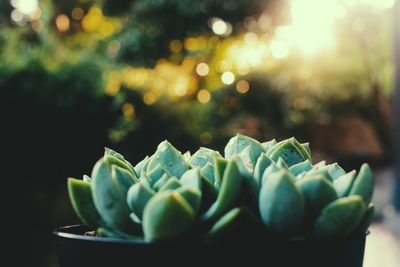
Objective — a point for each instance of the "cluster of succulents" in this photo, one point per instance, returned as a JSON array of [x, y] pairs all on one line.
[[253, 192]]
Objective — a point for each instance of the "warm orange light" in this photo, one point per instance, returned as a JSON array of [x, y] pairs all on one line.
[[203, 96], [62, 23], [242, 86]]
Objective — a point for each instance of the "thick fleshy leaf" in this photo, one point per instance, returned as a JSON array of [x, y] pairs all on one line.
[[110, 200], [209, 194], [320, 164], [281, 203], [138, 196], [219, 168], [203, 156], [170, 159], [336, 171], [364, 184], [87, 178], [228, 194], [282, 164], [120, 163], [192, 196], [238, 143], [155, 174], [208, 172], [340, 217], [123, 178], [238, 224], [267, 145], [171, 184], [246, 157], [262, 164], [186, 156], [250, 186], [110, 152], [167, 216], [318, 192], [272, 168], [366, 219], [307, 147], [80, 194], [141, 165], [290, 150], [164, 178], [301, 167], [344, 183], [192, 179]]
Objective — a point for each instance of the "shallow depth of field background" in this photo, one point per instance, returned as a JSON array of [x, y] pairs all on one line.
[[79, 75]]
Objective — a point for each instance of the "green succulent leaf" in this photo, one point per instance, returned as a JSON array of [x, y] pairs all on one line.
[[320, 164], [208, 172], [300, 168], [164, 178], [290, 150], [282, 164], [112, 160], [170, 159], [209, 194], [340, 217], [336, 171], [263, 162], [344, 183], [267, 145], [219, 168], [109, 199], [87, 178], [238, 143], [123, 178], [364, 183], [237, 224], [318, 192], [228, 194], [203, 156], [307, 147], [155, 174], [138, 196], [171, 184], [167, 215], [281, 203], [141, 165], [192, 179], [192, 196], [186, 156], [367, 219], [80, 194], [272, 168]]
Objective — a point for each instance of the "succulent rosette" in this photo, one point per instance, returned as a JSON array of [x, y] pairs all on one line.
[[253, 192]]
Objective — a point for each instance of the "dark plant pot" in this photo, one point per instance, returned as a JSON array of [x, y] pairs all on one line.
[[75, 250]]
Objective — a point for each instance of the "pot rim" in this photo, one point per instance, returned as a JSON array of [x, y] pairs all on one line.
[[62, 232]]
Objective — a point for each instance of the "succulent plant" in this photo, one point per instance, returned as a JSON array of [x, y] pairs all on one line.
[[255, 191]]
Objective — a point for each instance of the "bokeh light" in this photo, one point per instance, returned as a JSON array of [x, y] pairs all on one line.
[[203, 96], [202, 69], [228, 77], [62, 23]]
